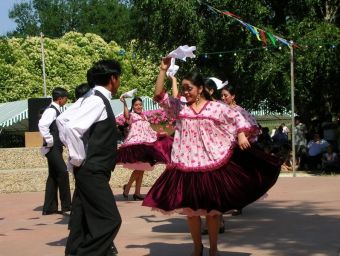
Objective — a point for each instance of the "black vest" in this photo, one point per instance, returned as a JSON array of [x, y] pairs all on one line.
[[55, 132], [102, 141]]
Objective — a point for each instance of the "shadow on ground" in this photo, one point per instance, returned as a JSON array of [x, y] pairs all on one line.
[[290, 227], [168, 249]]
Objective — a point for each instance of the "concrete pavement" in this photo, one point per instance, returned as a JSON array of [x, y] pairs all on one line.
[[300, 216]]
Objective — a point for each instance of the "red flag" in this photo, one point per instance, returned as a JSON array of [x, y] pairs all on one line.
[[263, 36], [231, 14]]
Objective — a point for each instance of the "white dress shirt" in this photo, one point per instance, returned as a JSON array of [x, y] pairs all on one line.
[[69, 112], [74, 124], [45, 121]]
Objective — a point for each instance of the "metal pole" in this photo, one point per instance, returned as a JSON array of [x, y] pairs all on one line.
[[43, 62], [292, 103]]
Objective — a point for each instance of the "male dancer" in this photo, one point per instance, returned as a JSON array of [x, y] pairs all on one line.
[[91, 137], [53, 150]]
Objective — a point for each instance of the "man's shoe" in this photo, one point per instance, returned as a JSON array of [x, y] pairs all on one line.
[[50, 212], [237, 212], [112, 251], [66, 211]]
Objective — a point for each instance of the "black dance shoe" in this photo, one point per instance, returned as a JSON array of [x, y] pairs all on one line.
[[221, 229], [112, 251], [51, 212], [65, 210], [126, 196], [237, 212], [137, 197]]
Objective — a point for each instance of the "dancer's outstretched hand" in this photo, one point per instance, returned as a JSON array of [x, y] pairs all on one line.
[[165, 63], [122, 99], [243, 141]]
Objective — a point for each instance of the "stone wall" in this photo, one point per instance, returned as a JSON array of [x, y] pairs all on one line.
[[24, 169]]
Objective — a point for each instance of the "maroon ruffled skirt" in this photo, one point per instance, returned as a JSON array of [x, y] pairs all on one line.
[[152, 153], [246, 177]]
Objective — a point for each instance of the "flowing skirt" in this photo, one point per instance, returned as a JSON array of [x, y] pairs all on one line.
[[143, 155], [246, 177]]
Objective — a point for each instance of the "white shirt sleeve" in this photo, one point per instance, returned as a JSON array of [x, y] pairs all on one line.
[[73, 127], [45, 121]]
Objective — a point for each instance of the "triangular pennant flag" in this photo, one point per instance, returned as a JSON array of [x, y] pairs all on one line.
[[272, 39], [250, 27], [257, 34], [263, 36], [284, 41], [231, 14]]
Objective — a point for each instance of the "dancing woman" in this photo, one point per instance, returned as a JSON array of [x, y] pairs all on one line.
[[142, 148], [201, 180]]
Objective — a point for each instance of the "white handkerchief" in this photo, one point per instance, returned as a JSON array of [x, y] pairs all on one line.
[[172, 70], [129, 94], [218, 82], [183, 52]]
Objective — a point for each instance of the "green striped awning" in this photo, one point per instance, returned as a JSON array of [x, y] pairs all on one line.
[[13, 113], [148, 104]]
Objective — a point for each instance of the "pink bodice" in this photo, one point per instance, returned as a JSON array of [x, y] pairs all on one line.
[[255, 130], [140, 130], [203, 141]]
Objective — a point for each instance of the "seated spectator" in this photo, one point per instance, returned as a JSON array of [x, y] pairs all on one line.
[[300, 142], [285, 129], [280, 137], [329, 129], [264, 138], [316, 147], [273, 132], [330, 160], [287, 165]]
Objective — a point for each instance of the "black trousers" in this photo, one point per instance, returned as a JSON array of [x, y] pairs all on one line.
[[95, 219], [57, 179]]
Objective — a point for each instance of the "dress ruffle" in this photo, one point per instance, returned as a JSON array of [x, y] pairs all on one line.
[[152, 153], [243, 179]]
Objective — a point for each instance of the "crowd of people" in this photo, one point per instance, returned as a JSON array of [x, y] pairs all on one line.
[[317, 146], [213, 162]]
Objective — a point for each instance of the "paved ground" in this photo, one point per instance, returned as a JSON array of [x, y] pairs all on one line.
[[300, 216]]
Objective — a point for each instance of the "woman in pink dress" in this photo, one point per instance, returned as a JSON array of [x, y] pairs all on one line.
[[142, 148], [228, 97], [201, 180]]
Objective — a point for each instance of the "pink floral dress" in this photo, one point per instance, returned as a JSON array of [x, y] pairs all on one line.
[[202, 177], [254, 130], [140, 131], [143, 148]]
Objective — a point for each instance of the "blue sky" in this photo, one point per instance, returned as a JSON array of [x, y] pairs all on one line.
[[6, 24]]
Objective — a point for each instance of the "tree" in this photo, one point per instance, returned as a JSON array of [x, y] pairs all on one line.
[[26, 18], [67, 60], [261, 74], [106, 18]]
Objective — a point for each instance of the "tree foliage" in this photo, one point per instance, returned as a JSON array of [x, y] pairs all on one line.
[[260, 75], [67, 60], [106, 18]]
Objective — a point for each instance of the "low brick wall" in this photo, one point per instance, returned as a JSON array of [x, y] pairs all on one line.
[[24, 169]]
